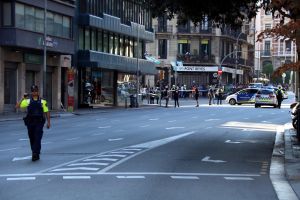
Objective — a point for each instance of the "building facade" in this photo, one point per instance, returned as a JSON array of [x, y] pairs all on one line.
[[192, 55], [271, 51], [24, 60], [112, 36]]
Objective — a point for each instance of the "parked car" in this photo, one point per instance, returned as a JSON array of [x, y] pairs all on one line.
[[285, 94], [266, 97], [242, 97]]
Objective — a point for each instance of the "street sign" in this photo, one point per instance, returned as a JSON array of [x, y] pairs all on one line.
[[215, 75]]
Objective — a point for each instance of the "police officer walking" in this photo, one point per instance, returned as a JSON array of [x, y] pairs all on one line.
[[37, 112]]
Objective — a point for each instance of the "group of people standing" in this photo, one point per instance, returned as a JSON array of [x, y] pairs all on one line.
[[175, 94]]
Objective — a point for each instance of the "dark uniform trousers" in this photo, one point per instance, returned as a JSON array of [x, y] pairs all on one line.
[[35, 133]]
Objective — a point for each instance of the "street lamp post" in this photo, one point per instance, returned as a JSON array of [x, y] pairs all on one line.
[[236, 57], [44, 70], [137, 61]]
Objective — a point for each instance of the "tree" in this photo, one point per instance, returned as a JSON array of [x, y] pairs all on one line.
[[268, 69]]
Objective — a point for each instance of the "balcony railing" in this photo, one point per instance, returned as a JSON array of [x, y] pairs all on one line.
[[241, 61], [163, 29], [235, 34], [199, 29], [196, 58]]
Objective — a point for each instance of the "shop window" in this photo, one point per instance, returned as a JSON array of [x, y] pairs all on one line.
[[162, 48]]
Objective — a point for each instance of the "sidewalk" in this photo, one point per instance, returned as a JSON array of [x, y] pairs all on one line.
[[292, 159]]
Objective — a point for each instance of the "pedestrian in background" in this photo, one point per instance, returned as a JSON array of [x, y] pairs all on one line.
[[219, 94], [279, 96], [37, 113], [166, 96], [176, 97], [210, 95], [197, 96]]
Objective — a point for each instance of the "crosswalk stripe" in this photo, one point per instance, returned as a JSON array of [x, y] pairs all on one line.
[[75, 168], [88, 163]]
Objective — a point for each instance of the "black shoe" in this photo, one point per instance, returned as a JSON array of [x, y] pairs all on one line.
[[35, 157]]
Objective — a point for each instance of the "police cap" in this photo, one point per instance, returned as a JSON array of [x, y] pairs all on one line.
[[34, 88]]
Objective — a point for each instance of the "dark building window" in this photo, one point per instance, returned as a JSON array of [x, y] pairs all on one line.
[[162, 48], [32, 18], [6, 14]]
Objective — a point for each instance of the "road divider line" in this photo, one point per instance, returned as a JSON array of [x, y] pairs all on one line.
[[239, 178], [76, 177], [130, 177], [185, 177], [21, 179], [75, 168]]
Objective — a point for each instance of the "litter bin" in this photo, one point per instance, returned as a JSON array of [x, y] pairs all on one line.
[[132, 101]]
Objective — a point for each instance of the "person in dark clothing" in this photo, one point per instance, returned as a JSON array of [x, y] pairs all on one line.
[[176, 97], [166, 96], [37, 113], [197, 96], [279, 96]]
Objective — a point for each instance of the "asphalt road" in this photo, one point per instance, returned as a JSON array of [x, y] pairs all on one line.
[[210, 152]]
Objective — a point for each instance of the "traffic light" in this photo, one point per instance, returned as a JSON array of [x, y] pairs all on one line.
[[219, 72]]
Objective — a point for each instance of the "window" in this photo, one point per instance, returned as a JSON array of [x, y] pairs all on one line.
[[99, 41], [121, 46], [267, 48], [20, 16], [58, 28], [288, 46], [87, 39], [162, 48], [39, 20], [183, 46], [105, 42], [111, 43], [29, 18], [93, 40], [204, 47], [268, 26], [66, 27], [7, 20], [117, 45], [81, 39], [50, 23]]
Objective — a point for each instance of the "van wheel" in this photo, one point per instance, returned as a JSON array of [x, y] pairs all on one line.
[[232, 102]]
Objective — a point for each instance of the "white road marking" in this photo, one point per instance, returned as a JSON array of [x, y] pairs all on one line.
[[96, 134], [21, 158], [112, 155], [116, 139], [231, 142], [130, 177], [207, 159], [104, 127], [23, 139], [129, 174], [8, 149], [46, 142], [131, 149], [76, 177], [246, 118], [171, 128], [185, 177], [70, 139], [144, 126], [75, 168], [209, 127], [154, 119], [172, 121], [129, 152], [195, 117], [101, 159], [89, 163], [239, 178], [21, 179], [208, 120]]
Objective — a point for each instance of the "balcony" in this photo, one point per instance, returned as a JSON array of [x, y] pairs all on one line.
[[163, 29], [196, 59], [266, 53], [241, 61], [234, 34], [201, 30]]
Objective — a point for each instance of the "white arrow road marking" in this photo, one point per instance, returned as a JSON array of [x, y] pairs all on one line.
[[104, 127], [207, 159], [75, 168], [129, 177], [21, 158], [171, 128], [239, 178], [116, 139], [231, 142]]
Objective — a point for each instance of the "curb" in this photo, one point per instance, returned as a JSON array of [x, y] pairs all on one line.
[[292, 155]]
